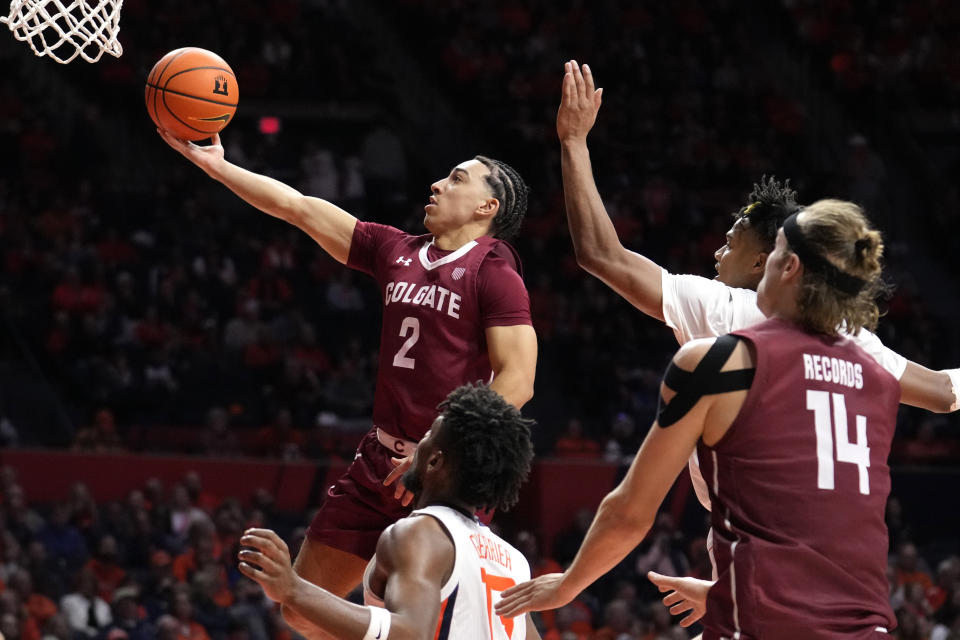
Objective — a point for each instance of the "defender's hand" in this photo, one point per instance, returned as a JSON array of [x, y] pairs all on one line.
[[400, 467], [579, 102], [268, 563]]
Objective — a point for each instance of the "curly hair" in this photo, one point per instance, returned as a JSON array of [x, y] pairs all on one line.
[[771, 202], [509, 188], [489, 443], [839, 231]]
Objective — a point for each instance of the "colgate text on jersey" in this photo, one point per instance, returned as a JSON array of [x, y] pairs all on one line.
[[433, 296]]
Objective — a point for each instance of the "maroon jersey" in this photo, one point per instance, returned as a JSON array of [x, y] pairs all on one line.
[[437, 305], [799, 484]]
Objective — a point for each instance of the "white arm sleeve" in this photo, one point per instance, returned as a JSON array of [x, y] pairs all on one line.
[[885, 357], [695, 307]]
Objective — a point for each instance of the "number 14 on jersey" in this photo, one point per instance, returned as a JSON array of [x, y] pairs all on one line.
[[828, 431]]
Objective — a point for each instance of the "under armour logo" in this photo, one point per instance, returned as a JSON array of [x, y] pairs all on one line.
[[458, 273], [404, 262], [220, 86]]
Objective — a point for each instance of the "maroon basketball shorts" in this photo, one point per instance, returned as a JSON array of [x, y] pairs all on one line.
[[358, 507]]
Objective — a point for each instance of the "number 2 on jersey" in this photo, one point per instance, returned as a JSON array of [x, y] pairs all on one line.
[[411, 326], [496, 583], [828, 430]]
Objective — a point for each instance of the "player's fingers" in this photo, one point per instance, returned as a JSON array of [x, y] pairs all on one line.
[[407, 498], [664, 583], [578, 78], [672, 598], [569, 87], [392, 476], [250, 572], [598, 97], [216, 140], [265, 546], [680, 607], [267, 565], [268, 534], [588, 85], [691, 618]]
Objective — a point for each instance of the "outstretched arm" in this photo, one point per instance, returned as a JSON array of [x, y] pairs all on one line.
[[329, 225], [627, 513], [595, 239], [935, 391], [413, 556]]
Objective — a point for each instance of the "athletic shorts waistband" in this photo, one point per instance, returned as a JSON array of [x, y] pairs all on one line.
[[395, 444]]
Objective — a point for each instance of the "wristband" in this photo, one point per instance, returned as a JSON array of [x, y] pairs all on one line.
[[955, 379], [379, 626]]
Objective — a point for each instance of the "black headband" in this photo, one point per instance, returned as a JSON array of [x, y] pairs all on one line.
[[846, 283]]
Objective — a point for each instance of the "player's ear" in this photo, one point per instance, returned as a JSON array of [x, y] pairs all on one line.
[[488, 208], [792, 268], [760, 262]]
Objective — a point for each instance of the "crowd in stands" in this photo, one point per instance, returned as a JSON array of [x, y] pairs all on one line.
[[168, 316], [162, 564]]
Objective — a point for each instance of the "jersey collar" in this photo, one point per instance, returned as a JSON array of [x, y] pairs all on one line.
[[450, 257]]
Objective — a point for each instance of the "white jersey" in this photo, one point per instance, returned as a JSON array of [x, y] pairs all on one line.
[[696, 307], [484, 566]]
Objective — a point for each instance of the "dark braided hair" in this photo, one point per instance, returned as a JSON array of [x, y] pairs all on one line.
[[489, 443], [771, 202], [508, 187]]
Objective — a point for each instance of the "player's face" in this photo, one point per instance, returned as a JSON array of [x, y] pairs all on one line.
[[413, 477], [456, 199], [740, 260]]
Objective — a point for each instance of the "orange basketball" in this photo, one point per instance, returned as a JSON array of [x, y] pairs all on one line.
[[192, 93]]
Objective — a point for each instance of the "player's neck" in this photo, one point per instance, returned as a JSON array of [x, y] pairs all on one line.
[[440, 500], [456, 238]]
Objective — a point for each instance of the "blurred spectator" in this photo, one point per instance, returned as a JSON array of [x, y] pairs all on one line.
[[86, 612], [910, 569], [105, 565], [574, 444]]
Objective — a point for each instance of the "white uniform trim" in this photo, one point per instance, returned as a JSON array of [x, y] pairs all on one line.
[[450, 257]]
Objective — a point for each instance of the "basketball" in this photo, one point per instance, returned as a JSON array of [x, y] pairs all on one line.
[[192, 93]]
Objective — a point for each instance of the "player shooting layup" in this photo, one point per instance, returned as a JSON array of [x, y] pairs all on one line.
[[455, 311], [771, 410]]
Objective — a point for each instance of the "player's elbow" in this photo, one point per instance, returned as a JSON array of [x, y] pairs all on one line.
[[627, 514], [524, 394]]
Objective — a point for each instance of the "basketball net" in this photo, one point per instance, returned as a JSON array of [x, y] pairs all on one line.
[[65, 29]]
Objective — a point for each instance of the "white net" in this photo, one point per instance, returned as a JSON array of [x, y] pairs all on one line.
[[66, 29]]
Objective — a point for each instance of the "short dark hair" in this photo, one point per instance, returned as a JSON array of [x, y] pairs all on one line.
[[770, 203], [509, 188], [489, 443]]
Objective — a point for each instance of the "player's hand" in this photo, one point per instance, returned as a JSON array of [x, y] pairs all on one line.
[[268, 563], [400, 466], [206, 157], [686, 594], [539, 594], [579, 102]]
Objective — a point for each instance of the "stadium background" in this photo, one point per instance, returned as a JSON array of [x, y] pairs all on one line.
[[175, 365]]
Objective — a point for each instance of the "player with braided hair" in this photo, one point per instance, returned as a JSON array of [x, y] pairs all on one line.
[[507, 186], [455, 310]]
